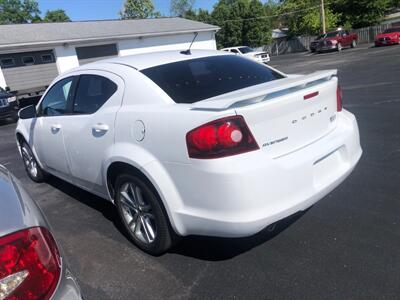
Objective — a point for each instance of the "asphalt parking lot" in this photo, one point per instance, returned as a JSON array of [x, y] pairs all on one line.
[[345, 247]]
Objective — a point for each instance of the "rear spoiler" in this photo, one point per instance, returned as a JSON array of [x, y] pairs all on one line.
[[264, 91]]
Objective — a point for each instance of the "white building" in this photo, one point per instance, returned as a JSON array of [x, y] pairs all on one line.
[[31, 55]]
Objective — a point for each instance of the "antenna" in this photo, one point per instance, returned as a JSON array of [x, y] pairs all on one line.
[[187, 52]]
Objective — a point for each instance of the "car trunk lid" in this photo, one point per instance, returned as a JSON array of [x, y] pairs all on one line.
[[284, 115]]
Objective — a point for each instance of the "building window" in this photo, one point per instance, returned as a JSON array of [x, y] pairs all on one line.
[[7, 62], [47, 58], [96, 51], [28, 60]]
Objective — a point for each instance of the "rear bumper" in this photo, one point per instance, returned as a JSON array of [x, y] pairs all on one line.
[[68, 288], [239, 196]]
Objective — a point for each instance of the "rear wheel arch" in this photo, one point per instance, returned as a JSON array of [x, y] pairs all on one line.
[[20, 138], [117, 168]]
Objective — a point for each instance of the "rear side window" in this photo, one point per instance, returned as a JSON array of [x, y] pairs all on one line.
[[197, 79], [92, 92]]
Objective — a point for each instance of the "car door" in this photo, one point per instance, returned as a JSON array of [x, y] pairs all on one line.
[[52, 117], [345, 39], [89, 136]]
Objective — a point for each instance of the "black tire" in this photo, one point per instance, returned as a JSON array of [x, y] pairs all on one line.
[[164, 236], [353, 43], [30, 163]]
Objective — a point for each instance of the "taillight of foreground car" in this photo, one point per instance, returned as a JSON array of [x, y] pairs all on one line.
[[30, 265], [220, 138], [339, 95]]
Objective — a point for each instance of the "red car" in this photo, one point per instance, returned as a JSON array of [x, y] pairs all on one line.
[[337, 40], [390, 36]]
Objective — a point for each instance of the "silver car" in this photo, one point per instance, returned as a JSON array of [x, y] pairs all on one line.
[[31, 262]]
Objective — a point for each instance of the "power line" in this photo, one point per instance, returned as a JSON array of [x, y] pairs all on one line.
[[277, 15]]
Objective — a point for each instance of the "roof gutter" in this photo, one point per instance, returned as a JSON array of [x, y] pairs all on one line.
[[101, 39]]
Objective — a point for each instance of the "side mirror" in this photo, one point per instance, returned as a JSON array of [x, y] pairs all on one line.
[[28, 112], [7, 89]]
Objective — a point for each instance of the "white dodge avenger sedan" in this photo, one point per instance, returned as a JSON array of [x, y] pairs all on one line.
[[192, 143]]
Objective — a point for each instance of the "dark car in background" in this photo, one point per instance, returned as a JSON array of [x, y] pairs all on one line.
[[314, 43], [31, 263], [8, 105]]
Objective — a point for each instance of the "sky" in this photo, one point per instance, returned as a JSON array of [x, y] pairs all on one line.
[[79, 10]]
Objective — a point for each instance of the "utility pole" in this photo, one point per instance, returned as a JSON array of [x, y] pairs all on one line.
[[323, 17]]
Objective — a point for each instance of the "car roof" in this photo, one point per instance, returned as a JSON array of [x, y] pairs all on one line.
[[148, 60]]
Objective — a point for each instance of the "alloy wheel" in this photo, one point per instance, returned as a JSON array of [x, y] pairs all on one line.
[[138, 213], [29, 161]]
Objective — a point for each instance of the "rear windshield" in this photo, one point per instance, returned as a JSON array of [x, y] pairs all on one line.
[[197, 79]]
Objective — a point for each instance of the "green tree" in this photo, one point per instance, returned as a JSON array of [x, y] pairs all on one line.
[[272, 9], [226, 14], [257, 26], [180, 7], [201, 15], [19, 11], [362, 13], [138, 9], [303, 17], [242, 22], [394, 3], [58, 15]]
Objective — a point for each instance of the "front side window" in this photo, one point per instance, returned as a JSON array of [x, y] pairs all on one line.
[[193, 80], [92, 92], [55, 101], [234, 51]]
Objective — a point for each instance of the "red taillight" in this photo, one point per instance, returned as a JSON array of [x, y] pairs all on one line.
[[29, 265], [220, 138], [339, 98]]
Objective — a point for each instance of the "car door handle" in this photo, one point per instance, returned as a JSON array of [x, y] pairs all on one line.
[[55, 128], [100, 127]]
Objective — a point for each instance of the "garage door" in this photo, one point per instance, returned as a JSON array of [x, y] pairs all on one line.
[[92, 53], [28, 71]]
